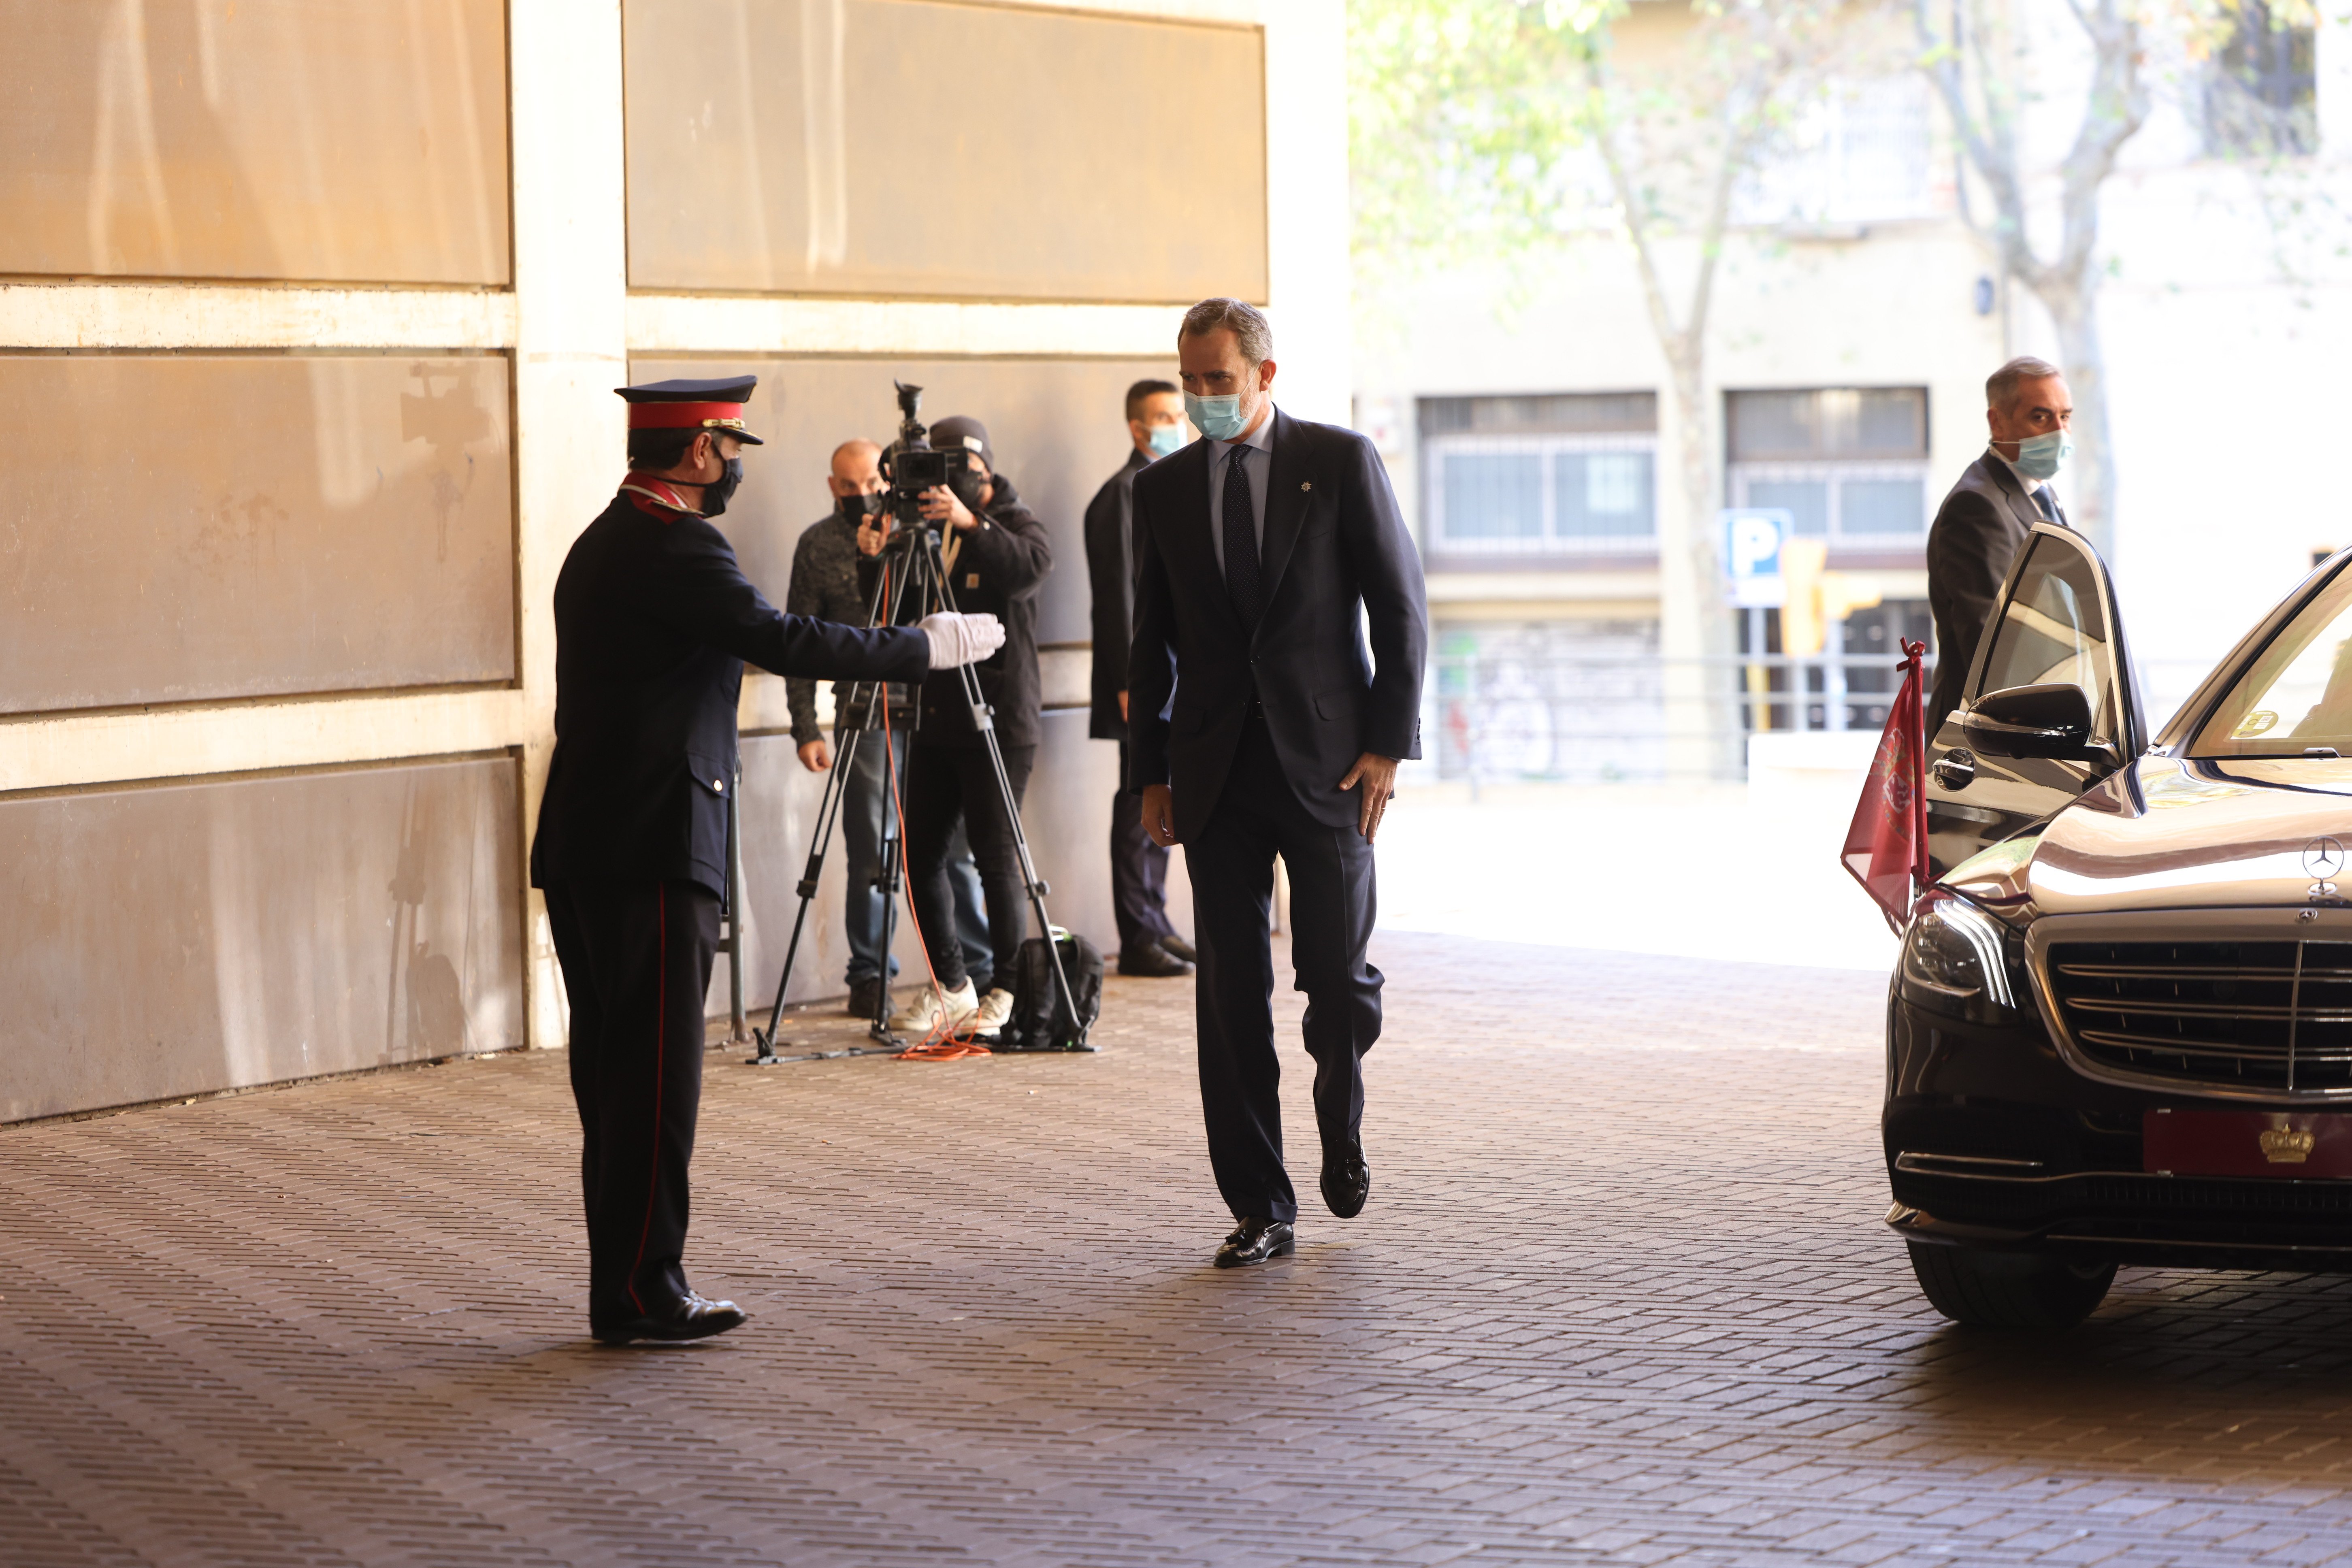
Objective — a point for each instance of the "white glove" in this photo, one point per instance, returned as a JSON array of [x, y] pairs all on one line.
[[962, 639]]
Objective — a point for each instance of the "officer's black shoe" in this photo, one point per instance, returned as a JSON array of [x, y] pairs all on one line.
[[865, 993], [1254, 1241], [1151, 960], [688, 1318], [1180, 947], [1347, 1179]]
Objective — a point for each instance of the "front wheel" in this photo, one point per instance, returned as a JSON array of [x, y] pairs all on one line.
[[2009, 1289]]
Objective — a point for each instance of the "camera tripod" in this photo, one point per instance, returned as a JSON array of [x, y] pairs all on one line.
[[911, 561]]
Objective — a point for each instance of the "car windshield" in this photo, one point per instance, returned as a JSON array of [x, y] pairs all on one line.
[[2297, 693]]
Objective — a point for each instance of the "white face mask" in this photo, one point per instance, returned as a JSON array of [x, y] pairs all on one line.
[[2041, 457], [1218, 418]]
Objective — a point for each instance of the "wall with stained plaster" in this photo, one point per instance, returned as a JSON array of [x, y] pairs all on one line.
[[311, 312]]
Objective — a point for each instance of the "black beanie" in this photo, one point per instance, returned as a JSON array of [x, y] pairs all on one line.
[[961, 433]]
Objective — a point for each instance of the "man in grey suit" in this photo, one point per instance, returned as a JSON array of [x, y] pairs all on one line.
[[1982, 523], [1260, 723]]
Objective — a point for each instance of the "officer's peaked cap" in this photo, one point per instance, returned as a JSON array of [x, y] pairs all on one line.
[[960, 432], [715, 406]]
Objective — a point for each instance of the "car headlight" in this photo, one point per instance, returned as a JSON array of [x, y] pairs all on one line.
[[1954, 962]]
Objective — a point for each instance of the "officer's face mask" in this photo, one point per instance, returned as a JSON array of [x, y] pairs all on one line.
[[2041, 457], [855, 510], [716, 491], [1166, 439]]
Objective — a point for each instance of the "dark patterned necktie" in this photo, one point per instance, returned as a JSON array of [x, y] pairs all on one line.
[[1242, 576], [2047, 502]]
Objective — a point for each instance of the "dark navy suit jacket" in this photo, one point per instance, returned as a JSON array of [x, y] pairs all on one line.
[[1974, 539], [654, 623], [1336, 560]]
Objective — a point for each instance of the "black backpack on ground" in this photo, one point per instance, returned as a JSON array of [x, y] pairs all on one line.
[[1040, 1022]]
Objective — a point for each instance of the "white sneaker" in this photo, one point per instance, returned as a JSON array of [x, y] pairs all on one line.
[[930, 1010], [995, 1011]]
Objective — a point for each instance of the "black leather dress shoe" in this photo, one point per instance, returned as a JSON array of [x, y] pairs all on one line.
[[864, 995], [688, 1318], [1180, 948], [1347, 1179], [1254, 1241], [1153, 960]]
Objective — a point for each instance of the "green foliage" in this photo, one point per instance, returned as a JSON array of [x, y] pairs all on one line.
[[1484, 128], [1460, 114]]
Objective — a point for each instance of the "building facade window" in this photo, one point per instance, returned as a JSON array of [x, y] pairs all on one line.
[[1863, 153], [1558, 476], [1849, 464]]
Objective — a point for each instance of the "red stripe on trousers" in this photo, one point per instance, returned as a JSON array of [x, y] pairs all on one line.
[[661, 1044]]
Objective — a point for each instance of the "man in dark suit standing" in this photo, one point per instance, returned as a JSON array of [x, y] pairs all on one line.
[[1982, 523], [1148, 944], [654, 623], [1260, 553]]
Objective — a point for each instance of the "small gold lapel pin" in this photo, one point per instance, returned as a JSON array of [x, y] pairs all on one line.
[[1305, 486]]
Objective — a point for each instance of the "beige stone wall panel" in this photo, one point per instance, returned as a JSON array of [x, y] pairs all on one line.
[[183, 938], [914, 148], [351, 141], [182, 528]]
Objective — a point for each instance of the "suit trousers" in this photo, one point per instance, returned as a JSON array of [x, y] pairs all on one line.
[[1139, 869], [1332, 904], [945, 784], [867, 819], [636, 964]]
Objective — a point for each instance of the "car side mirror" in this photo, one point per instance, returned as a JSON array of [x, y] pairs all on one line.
[[2052, 722]]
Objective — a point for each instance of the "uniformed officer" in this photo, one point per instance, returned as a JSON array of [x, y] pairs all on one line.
[[654, 621]]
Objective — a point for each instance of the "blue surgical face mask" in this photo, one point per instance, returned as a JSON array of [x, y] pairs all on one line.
[[2041, 457], [1166, 438], [1218, 418]]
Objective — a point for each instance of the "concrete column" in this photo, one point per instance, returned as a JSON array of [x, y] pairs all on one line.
[[1306, 204], [570, 273]]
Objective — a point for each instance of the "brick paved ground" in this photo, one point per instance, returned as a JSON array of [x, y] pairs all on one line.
[[1622, 1296]]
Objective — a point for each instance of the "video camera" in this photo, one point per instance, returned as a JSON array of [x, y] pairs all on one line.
[[912, 464]]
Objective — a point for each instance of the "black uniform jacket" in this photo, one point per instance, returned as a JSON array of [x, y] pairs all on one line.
[[1110, 569], [654, 621], [1335, 557], [1970, 545], [998, 570]]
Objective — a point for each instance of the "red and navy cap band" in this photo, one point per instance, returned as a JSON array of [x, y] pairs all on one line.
[[685, 415]]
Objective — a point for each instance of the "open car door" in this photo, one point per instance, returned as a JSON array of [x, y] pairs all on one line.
[[2009, 754]]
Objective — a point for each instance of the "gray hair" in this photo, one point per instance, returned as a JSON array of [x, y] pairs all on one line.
[[2000, 386], [1251, 329]]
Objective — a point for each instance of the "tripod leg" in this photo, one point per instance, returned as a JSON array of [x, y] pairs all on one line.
[[828, 812], [985, 722]]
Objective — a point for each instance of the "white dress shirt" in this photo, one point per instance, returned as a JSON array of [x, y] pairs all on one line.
[[1257, 467]]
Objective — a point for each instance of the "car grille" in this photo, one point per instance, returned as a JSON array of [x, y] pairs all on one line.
[[2246, 1015]]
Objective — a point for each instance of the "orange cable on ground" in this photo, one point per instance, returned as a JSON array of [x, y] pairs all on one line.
[[940, 1043]]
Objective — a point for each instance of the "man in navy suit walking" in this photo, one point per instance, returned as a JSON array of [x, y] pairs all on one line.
[[1264, 550]]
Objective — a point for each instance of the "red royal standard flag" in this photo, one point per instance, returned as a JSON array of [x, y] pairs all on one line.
[[1886, 845]]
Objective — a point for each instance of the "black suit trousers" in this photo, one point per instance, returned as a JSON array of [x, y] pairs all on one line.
[[636, 964], [1332, 904], [1139, 869]]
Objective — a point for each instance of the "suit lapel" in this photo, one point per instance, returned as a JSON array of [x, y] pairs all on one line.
[[1285, 500], [2012, 489]]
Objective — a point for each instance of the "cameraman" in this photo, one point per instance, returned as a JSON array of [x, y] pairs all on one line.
[[996, 554], [824, 586]]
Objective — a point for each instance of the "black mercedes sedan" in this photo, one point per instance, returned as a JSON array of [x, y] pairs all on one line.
[[2120, 1029]]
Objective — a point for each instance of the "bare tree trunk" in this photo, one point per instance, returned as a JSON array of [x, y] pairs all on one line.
[[2089, 482], [2116, 105]]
